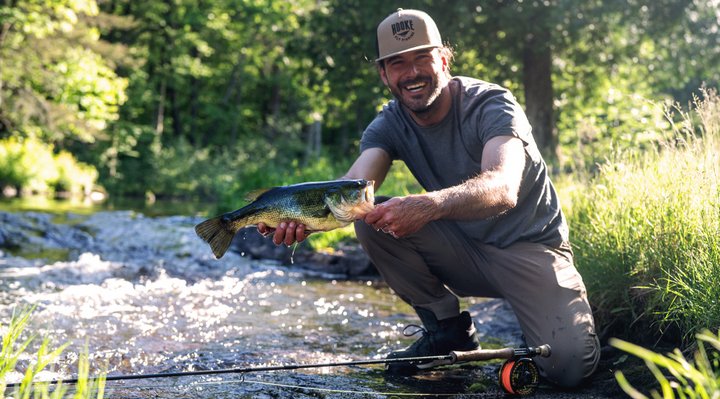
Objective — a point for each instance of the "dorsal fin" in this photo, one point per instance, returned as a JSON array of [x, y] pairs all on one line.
[[254, 194]]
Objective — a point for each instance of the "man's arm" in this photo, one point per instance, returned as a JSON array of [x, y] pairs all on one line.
[[493, 191], [372, 164]]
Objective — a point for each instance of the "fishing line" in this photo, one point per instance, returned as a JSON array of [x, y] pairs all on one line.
[[449, 359], [345, 391]]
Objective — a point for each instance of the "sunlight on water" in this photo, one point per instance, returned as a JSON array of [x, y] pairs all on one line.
[[160, 303]]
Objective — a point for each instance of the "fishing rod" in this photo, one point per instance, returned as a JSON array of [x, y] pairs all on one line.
[[518, 375]]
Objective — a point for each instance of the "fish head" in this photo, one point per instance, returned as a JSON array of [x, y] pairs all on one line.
[[351, 199], [369, 192]]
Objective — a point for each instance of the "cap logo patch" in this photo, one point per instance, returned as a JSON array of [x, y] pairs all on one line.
[[403, 30]]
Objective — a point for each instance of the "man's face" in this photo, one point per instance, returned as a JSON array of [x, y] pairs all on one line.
[[416, 78]]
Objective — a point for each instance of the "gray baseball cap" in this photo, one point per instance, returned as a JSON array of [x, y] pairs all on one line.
[[406, 30]]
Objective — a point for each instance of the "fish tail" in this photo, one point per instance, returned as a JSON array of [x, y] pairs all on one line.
[[218, 232]]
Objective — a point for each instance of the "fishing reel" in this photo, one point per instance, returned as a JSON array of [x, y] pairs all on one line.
[[519, 376]]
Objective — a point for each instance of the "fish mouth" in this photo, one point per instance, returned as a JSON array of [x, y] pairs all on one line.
[[369, 193]]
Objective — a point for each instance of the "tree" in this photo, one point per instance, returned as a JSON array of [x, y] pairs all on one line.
[[53, 85], [534, 41]]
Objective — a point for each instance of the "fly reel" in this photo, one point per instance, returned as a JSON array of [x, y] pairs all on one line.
[[519, 376]]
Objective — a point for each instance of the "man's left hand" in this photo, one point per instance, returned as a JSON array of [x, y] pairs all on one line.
[[401, 216]]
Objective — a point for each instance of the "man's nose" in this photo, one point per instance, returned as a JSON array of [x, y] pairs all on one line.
[[413, 69]]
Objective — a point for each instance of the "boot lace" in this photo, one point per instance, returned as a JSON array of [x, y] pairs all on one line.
[[414, 330]]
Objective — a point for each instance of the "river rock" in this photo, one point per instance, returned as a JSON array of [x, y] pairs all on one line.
[[36, 231], [144, 246], [348, 260]]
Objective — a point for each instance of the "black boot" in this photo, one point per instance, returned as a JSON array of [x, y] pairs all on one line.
[[440, 337]]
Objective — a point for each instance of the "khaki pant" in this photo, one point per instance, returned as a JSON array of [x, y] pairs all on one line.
[[430, 268]]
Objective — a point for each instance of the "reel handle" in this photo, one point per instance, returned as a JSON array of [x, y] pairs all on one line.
[[504, 353]]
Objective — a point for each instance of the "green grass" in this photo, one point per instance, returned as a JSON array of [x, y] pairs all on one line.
[[678, 377], [646, 231], [14, 347]]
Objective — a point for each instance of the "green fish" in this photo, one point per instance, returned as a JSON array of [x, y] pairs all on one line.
[[320, 206]]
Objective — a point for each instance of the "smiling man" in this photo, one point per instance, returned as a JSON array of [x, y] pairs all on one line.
[[489, 223]]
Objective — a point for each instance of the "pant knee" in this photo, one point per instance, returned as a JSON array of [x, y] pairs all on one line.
[[569, 366]]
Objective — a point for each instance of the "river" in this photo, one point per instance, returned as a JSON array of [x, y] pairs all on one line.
[[145, 295]]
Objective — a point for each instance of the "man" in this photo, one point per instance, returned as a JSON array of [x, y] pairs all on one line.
[[489, 224]]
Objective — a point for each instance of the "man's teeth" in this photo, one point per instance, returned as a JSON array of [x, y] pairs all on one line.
[[415, 87]]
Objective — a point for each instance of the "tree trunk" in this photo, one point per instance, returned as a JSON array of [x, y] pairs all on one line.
[[313, 145], [160, 115], [537, 80]]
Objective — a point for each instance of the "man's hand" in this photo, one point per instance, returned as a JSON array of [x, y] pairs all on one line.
[[401, 216], [286, 232]]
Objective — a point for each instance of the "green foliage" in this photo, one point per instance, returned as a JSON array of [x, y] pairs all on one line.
[[54, 85], [31, 167], [23, 164], [149, 83], [646, 231], [14, 348], [677, 376], [75, 178], [601, 111]]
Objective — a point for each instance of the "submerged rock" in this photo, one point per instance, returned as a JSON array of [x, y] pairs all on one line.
[[348, 261]]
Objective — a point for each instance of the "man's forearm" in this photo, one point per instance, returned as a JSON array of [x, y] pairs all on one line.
[[481, 197]]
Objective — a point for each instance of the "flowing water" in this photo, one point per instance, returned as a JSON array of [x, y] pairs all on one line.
[[144, 295]]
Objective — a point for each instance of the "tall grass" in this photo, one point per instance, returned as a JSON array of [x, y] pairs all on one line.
[[14, 348], [678, 377], [646, 230]]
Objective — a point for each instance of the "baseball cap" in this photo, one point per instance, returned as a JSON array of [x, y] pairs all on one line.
[[406, 30]]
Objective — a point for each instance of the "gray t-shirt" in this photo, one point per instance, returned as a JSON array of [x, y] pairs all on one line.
[[450, 152]]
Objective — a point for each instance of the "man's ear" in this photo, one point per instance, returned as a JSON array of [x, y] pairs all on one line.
[[381, 72]]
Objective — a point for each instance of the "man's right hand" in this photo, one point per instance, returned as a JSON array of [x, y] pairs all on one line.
[[286, 232]]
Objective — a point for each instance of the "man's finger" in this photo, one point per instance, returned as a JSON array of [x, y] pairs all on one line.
[[300, 234], [290, 234], [279, 235]]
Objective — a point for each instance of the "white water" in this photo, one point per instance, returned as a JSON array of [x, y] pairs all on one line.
[[147, 296]]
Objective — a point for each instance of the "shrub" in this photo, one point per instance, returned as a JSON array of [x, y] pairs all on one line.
[[32, 167]]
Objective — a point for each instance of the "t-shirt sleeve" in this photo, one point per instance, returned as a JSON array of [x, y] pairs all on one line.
[[503, 116], [378, 135]]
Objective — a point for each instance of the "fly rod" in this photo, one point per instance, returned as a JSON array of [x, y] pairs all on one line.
[[451, 358]]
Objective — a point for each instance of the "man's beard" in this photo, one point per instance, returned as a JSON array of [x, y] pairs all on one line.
[[422, 105]]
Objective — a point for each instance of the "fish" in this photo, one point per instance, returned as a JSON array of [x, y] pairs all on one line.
[[320, 206]]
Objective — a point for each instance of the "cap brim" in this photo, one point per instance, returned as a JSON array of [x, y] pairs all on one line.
[[424, 46]]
